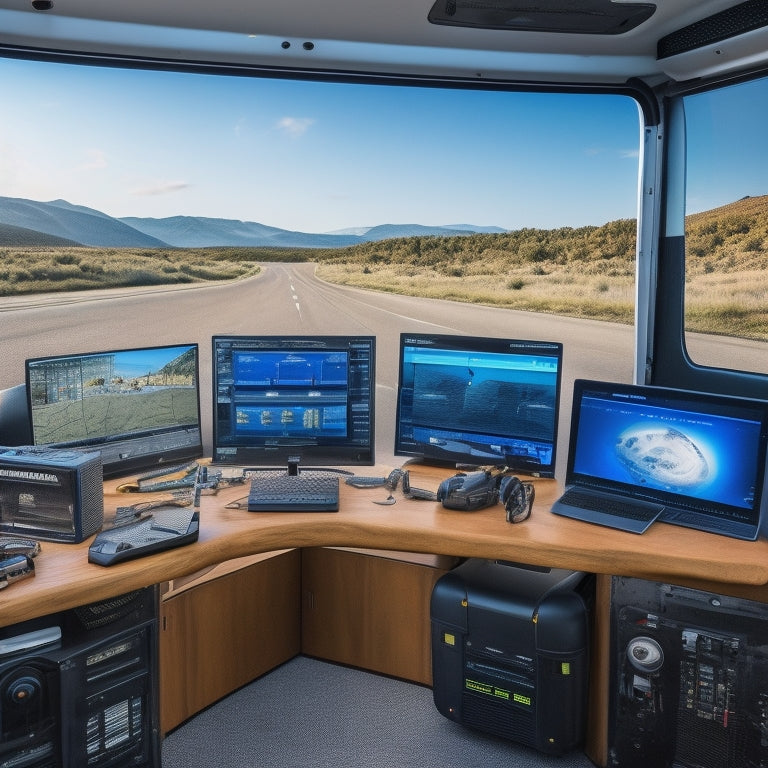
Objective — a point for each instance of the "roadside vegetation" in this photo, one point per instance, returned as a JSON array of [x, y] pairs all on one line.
[[49, 269], [584, 272]]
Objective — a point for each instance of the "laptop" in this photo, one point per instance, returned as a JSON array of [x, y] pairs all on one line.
[[638, 454]]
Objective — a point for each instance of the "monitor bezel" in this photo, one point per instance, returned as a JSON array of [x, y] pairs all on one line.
[[324, 455], [134, 463], [470, 343]]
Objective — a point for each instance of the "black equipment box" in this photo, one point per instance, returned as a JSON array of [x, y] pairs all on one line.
[[688, 678], [510, 651], [54, 494], [80, 687]]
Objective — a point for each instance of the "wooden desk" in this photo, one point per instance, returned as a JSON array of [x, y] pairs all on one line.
[[64, 578]]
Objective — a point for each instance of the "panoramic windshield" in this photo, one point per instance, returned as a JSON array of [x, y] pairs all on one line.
[[490, 213]]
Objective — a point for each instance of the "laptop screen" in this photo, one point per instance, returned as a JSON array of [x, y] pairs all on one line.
[[688, 450]]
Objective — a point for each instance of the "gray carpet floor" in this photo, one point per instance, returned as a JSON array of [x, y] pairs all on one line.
[[312, 714]]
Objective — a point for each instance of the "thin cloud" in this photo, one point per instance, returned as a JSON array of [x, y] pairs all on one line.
[[161, 188], [95, 160], [295, 126], [240, 126], [624, 154]]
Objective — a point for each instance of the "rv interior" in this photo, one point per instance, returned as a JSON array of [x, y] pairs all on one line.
[[400, 586]]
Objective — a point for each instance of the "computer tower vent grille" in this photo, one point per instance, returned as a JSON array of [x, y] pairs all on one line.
[[105, 612], [709, 742], [116, 730], [92, 503], [509, 723]]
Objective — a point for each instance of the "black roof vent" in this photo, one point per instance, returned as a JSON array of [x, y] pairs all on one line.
[[742, 18], [587, 17]]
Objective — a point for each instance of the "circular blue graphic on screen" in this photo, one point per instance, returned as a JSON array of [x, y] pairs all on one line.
[[662, 457]]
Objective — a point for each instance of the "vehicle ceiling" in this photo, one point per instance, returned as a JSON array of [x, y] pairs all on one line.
[[397, 38]]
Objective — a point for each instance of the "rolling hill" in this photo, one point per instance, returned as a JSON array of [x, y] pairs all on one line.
[[21, 236], [83, 226], [86, 226]]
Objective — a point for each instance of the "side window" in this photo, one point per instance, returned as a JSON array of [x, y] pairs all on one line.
[[726, 227]]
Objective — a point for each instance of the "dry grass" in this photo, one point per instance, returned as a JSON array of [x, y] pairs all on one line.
[[51, 269], [587, 272], [565, 290]]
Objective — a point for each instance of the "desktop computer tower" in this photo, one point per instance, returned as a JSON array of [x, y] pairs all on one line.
[[79, 688], [688, 678], [510, 651]]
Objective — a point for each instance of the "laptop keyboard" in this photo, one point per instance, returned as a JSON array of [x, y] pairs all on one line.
[[620, 513], [609, 506], [305, 492]]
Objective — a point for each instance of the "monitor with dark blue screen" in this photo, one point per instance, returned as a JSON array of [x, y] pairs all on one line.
[[479, 401], [277, 398]]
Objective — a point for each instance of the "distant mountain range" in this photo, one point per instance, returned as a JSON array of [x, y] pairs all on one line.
[[32, 223]]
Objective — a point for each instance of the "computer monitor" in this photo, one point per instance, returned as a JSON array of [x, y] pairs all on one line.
[[14, 416], [276, 398], [479, 401], [140, 408]]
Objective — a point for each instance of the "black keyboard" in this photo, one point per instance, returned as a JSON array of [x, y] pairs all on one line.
[[610, 506], [168, 527], [626, 514], [307, 491]]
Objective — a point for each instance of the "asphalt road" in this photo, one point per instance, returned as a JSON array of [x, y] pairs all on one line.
[[287, 299]]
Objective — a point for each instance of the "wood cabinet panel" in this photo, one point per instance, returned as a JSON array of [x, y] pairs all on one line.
[[223, 632], [368, 611]]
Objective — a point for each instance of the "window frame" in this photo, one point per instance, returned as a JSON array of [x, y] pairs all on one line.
[[668, 362]]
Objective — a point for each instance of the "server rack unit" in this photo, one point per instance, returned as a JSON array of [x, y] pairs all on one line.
[[80, 687]]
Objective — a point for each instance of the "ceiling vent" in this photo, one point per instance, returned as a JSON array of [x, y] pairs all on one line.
[[587, 17], [742, 18]]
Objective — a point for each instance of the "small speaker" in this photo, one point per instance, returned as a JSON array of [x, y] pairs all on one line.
[[645, 654]]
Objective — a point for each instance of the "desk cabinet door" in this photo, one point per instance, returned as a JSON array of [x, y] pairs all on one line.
[[224, 632], [368, 611]]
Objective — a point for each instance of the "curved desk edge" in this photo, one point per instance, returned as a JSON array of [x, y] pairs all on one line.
[[64, 578]]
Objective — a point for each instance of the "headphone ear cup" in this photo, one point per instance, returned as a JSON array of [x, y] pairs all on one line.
[[509, 485], [517, 498]]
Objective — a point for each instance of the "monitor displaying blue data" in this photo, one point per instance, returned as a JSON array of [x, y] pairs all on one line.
[[479, 401], [305, 397]]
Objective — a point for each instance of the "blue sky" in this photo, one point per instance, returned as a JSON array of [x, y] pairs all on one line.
[[727, 150], [139, 362], [314, 157]]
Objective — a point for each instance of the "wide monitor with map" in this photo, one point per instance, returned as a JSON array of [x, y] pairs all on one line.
[[140, 408]]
